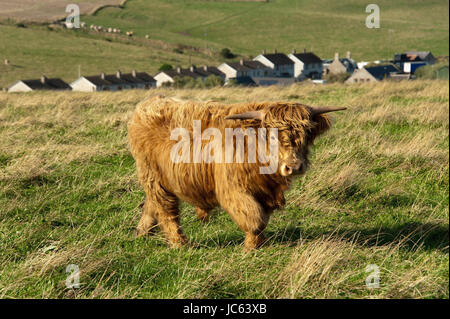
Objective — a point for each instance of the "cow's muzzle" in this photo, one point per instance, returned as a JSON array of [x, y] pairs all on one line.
[[289, 169]]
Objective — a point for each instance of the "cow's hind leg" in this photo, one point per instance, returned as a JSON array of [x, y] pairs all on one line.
[[148, 222], [166, 207], [160, 208], [249, 216], [202, 214]]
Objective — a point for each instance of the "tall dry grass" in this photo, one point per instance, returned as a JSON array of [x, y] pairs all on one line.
[[376, 193]]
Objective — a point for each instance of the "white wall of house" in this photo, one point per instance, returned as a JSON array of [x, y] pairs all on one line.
[[261, 58], [362, 64], [19, 86], [302, 70], [162, 78], [83, 85], [229, 72], [410, 67], [298, 65], [270, 66], [275, 70]]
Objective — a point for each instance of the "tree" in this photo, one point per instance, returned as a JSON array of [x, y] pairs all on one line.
[[165, 67], [227, 54]]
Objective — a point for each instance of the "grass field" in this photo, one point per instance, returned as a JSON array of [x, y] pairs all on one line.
[[207, 27], [324, 26], [377, 193], [36, 50], [46, 10]]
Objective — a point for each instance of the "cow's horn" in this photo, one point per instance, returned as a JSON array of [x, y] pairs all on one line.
[[326, 109], [252, 115]]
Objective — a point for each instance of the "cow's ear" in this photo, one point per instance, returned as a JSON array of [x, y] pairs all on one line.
[[321, 124], [252, 115], [321, 120]]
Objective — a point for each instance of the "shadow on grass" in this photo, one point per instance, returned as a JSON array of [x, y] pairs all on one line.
[[411, 235]]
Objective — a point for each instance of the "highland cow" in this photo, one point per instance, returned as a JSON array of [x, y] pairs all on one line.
[[248, 196]]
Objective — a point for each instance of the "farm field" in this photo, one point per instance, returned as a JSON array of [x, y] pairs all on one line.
[[324, 27], [37, 50], [377, 193], [47, 10], [194, 32]]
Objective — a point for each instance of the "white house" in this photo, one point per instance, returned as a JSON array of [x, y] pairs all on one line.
[[170, 75], [374, 74], [342, 65], [306, 65], [139, 80], [193, 72], [411, 67], [243, 70], [39, 84], [278, 63], [206, 71], [92, 83], [113, 82]]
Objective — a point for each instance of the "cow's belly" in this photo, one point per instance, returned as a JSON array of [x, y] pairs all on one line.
[[193, 183]]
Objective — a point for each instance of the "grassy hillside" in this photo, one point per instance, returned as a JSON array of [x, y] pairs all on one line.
[[47, 10], [37, 50], [377, 193], [325, 26], [208, 26]]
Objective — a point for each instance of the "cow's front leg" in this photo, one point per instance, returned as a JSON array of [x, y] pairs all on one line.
[[249, 215]]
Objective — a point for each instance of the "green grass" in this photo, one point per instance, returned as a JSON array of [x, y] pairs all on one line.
[[183, 32], [323, 26], [377, 193], [37, 50]]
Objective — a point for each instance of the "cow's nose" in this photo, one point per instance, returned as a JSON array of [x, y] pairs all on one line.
[[285, 170]]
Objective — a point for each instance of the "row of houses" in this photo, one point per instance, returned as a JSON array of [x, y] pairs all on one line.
[[264, 69], [101, 82], [401, 68]]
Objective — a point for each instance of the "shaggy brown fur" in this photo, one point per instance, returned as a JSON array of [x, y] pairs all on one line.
[[248, 196]]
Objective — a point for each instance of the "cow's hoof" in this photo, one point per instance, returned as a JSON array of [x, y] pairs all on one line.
[[204, 219], [138, 232], [253, 242], [178, 243], [202, 215]]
